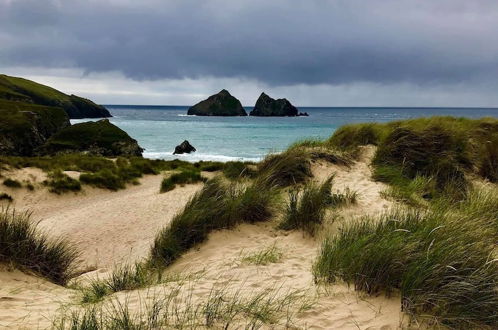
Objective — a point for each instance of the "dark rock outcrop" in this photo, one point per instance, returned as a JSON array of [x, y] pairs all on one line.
[[184, 148], [98, 138], [267, 107], [24, 127], [221, 104], [27, 91]]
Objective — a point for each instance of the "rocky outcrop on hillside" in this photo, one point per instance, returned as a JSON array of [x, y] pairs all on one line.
[[98, 138], [221, 104]]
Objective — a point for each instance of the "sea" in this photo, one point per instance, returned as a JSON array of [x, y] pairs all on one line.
[[159, 129]]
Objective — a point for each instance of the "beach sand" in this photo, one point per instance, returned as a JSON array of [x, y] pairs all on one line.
[[113, 228]]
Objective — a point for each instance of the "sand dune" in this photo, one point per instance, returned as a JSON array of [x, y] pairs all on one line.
[[111, 228]]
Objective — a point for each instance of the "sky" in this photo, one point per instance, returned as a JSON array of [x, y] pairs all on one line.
[[312, 52]]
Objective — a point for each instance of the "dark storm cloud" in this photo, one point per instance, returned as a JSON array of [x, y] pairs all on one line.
[[276, 42]]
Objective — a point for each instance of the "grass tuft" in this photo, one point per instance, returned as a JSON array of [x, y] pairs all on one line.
[[306, 208], [186, 176], [268, 255], [60, 183], [12, 183], [24, 246], [284, 169], [6, 197], [216, 206], [441, 265], [127, 277]]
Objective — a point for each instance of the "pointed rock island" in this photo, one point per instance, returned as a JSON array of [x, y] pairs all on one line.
[[269, 107], [221, 104]]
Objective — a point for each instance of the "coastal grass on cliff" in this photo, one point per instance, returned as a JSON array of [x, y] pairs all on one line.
[[441, 263], [217, 206], [24, 246]]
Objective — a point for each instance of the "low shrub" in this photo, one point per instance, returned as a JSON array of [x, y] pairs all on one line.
[[12, 183], [439, 262], [27, 248], [216, 206], [306, 208], [186, 176], [60, 183]]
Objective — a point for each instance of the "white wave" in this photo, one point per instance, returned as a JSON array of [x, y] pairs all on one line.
[[195, 157], [185, 115]]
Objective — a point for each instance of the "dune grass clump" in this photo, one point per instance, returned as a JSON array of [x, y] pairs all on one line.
[[306, 208], [284, 169], [216, 206], [60, 183], [223, 308], [105, 179], [268, 255], [127, 277], [441, 264], [11, 183], [488, 168], [24, 246], [186, 176], [354, 135], [209, 166], [238, 170], [6, 197]]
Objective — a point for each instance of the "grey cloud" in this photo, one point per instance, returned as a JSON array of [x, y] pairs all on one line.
[[275, 42]]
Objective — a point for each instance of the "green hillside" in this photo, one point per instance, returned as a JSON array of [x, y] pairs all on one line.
[[25, 126], [19, 89]]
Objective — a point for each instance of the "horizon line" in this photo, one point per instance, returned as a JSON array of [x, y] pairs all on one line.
[[335, 107]]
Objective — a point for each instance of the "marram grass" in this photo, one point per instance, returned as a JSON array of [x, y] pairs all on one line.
[[441, 263], [24, 246]]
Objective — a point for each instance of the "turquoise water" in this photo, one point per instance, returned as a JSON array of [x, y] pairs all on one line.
[[159, 129]]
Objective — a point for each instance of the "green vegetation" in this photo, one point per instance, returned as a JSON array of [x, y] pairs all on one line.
[[284, 169], [436, 152], [223, 308], [101, 172], [216, 206], [22, 245], [5, 197], [99, 137], [12, 183], [26, 91], [238, 170], [60, 183], [186, 176], [24, 127], [268, 255], [209, 166], [354, 135], [306, 208], [123, 278], [440, 262]]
